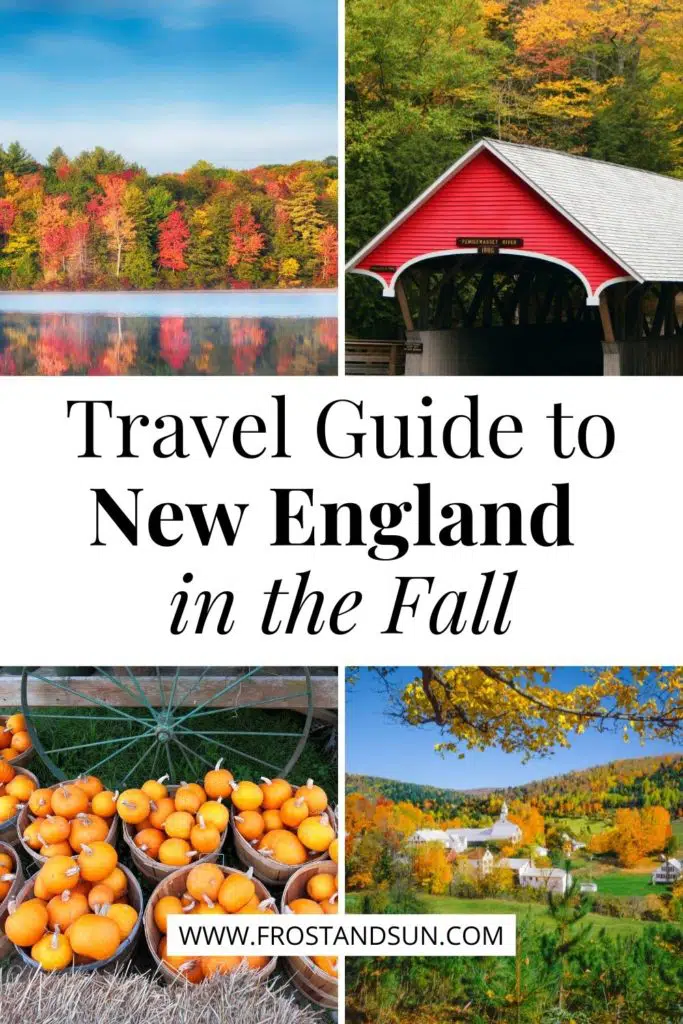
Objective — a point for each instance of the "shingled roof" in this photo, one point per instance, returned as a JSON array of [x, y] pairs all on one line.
[[635, 216]]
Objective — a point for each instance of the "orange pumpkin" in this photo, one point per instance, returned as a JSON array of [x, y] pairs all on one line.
[[97, 860], [125, 917], [149, 840], [163, 907], [133, 806], [53, 951], [176, 852], [27, 923], [214, 813], [21, 787], [189, 967], [90, 784], [217, 782], [315, 797], [321, 887], [246, 796], [187, 798], [272, 820], [294, 811], [64, 909], [56, 850], [87, 828], [68, 800], [118, 882], [316, 833], [204, 880], [250, 824], [59, 873], [100, 895], [54, 829], [103, 804], [282, 846], [155, 789], [161, 809], [236, 891], [40, 803], [275, 792], [21, 741], [179, 825], [304, 906], [204, 838], [219, 965], [95, 935]]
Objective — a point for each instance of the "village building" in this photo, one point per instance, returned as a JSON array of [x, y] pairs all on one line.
[[668, 872], [460, 839], [522, 260], [555, 880], [478, 861]]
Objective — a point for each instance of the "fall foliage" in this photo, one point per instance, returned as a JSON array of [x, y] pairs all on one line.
[[96, 221], [599, 78]]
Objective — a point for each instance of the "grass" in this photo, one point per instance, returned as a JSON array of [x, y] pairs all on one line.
[[536, 912], [318, 759], [619, 883]]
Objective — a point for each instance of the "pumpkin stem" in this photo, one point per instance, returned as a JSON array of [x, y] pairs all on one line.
[[66, 896], [299, 802], [266, 903], [238, 817], [75, 870], [104, 909], [333, 897], [287, 910], [12, 906], [55, 938], [182, 782], [309, 783], [192, 853], [190, 907], [144, 847], [115, 794], [87, 849], [249, 873], [153, 804], [85, 818], [207, 899], [219, 763], [268, 782], [324, 820], [164, 778], [7, 878], [200, 820], [233, 785], [266, 852], [128, 803]]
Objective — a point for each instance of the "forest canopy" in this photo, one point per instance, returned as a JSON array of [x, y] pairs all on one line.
[[425, 80], [96, 221]]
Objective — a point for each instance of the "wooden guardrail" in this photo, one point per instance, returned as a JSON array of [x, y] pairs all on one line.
[[376, 358]]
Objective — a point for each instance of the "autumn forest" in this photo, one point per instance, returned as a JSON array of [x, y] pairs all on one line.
[[96, 221]]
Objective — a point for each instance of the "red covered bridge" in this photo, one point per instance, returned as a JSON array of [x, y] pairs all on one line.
[[524, 260]]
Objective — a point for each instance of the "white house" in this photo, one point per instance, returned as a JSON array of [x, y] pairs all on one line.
[[478, 861], [573, 844], [459, 839], [668, 872], [555, 880]]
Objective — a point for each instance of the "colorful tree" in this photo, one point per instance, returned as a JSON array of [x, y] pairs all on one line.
[[431, 868], [327, 247], [173, 239], [246, 242], [110, 210]]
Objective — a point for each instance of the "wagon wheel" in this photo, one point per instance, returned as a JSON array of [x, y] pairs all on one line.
[[170, 734]]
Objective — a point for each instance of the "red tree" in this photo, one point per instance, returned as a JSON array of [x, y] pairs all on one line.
[[54, 235], [7, 215], [246, 238], [327, 248], [173, 238]]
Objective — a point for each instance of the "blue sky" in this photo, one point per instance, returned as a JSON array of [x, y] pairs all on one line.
[[168, 82], [379, 745]]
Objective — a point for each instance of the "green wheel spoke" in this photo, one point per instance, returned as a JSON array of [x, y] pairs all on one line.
[[216, 696], [126, 746], [241, 732], [136, 683], [192, 753], [157, 748], [145, 753], [88, 718], [255, 704], [225, 746], [118, 683], [198, 681], [169, 760], [174, 684], [161, 687], [95, 743], [89, 699]]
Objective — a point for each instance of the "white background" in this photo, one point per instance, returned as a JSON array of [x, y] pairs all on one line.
[[611, 598]]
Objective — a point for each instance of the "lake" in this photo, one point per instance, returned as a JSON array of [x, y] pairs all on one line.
[[219, 333]]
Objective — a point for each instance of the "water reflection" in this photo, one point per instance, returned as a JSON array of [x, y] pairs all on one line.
[[94, 345]]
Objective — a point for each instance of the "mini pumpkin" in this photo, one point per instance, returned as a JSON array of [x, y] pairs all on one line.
[[59, 873], [315, 797], [179, 825], [316, 833], [163, 907], [21, 787], [187, 798], [328, 964], [217, 782], [125, 917], [53, 951], [204, 880], [97, 860], [87, 828], [54, 829], [118, 882], [90, 784], [204, 838], [294, 811], [133, 806], [272, 820], [149, 840], [236, 891], [101, 895], [250, 824], [104, 803], [304, 906], [275, 792], [215, 813], [246, 796], [68, 800], [282, 846], [26, 924], [40, 803], [156, 789], [95, 935], [176, 852], [67, 907], [161, 809], [321, 887]]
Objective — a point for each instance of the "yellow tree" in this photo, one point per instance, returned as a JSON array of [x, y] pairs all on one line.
[[431, 868], [520, 710]]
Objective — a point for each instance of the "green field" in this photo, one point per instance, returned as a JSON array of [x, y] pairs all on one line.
[[621, 883], [535, 911]]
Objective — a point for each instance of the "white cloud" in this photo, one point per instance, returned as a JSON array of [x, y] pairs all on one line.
[[173, 138]]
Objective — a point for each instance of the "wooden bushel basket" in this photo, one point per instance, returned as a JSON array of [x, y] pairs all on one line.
[[154, 870], [315, 984], [266, 868], [21, 760], [174, 885], [125, 950], [15, 887], [25, 817], [9, 830]]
